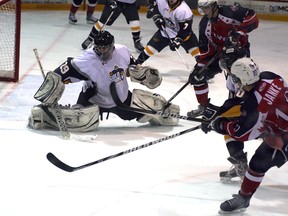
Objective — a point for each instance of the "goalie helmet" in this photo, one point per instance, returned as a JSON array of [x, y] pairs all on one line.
[[173, 4], [202, 4], [104, 45], [244, 72]]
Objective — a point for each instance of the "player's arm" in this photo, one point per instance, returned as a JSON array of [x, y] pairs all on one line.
[[207, 50], [152, 9], [246, 127], [185, 29], [70, 72], [247, 17]]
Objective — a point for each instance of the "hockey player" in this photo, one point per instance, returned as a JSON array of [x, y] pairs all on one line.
[[90, 19], [217, 24], [111, 11], [173, 19], [98, 67], [264, 114], [223, 29]]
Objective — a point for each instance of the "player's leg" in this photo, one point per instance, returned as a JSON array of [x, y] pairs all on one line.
[[155, 45], [132, 17]]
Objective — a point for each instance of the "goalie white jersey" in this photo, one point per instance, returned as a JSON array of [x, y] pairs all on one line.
[[172, 18], [89, 67]]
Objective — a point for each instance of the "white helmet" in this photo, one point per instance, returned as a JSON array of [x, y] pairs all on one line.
[[245, 71], [206, 3]]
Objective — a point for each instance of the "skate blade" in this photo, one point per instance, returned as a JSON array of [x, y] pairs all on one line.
[[227, 180], [73, 23], [240, 210]]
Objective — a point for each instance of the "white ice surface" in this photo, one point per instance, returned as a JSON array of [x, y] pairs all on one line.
[[178, 177]]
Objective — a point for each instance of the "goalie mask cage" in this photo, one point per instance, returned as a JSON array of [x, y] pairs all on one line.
[[10, 18]]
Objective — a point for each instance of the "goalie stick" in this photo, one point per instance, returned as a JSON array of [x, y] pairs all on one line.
[[55, 106], [61, 165], [121, 105]]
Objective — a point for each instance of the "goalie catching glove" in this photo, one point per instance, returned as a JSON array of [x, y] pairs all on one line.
[[145, 75]]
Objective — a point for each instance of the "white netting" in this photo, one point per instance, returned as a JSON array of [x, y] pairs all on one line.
[[7, 38]]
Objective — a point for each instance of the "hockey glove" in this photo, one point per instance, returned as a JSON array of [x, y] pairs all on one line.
[[150, 10], [176, 43], [209, 114], [218, 125], [112, 4], [235, 38], [159, 21], [196, 76]]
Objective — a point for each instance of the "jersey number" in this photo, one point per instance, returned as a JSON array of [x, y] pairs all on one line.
[[64, 68]]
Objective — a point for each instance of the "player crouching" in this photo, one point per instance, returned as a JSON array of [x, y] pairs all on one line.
[[99, 66]]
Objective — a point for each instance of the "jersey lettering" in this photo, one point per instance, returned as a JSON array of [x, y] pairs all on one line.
[[281, 114], [271, 93]]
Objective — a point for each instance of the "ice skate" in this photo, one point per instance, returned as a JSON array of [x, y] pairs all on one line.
[[87, 43], [237, 204], [72, 18], [197, 112], [138, 45], [90, 19], [237, 171]]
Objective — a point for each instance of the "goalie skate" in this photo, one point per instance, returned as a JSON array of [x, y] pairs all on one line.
[[237, 171]]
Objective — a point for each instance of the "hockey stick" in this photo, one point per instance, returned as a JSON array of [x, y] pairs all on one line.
[[180, 90], [217, 55], [107, 20], [183, 60], [61, 165], [187, 83], [55, 106], [121, 105]]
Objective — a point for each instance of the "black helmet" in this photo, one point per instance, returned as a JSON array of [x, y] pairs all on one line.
[[104, 45]]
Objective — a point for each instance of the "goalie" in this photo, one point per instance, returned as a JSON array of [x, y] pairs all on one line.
[[98, 67]]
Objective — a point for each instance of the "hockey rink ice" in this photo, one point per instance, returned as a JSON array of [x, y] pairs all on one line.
[[177, 177]]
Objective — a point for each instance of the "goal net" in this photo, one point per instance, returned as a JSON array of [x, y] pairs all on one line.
[[10, 18]]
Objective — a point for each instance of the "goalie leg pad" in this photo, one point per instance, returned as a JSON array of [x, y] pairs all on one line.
[[77, 119], [145, 75], [166, 121], [40, 119], [51, 89], [151, 101]]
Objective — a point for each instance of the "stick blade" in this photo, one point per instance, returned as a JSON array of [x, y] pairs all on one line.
[[54, 160]]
